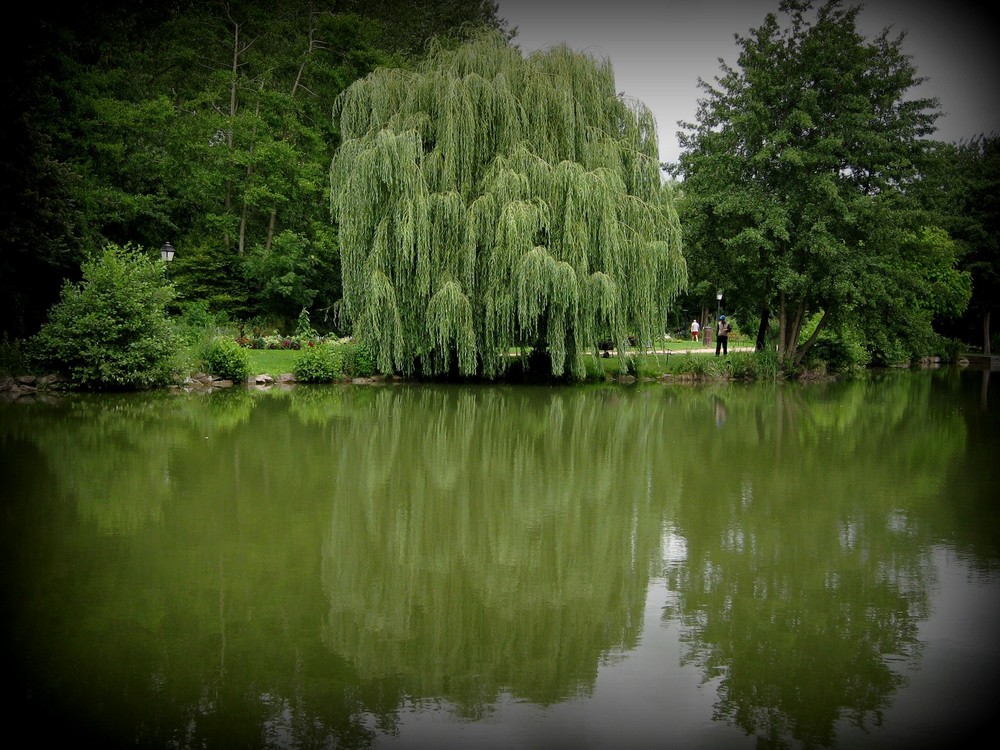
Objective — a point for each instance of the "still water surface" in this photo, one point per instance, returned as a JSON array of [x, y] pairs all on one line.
[[417, 566]]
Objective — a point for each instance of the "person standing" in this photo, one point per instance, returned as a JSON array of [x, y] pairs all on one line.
[[695, 328], [722, 331]]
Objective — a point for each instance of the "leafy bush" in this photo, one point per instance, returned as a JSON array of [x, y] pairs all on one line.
[[225, 358], [756, 365], [359, 362], [742, 366], [110, 330], [839, 351], [195, 326], [304, 330], [322, 363], [950, 350]]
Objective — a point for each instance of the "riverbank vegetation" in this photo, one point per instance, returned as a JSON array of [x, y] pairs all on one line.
[[469, 212]]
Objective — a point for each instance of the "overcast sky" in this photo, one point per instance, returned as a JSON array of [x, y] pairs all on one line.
[[659, 49]]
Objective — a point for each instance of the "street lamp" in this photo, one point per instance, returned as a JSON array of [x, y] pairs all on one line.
[[718, 306], [167, 255]]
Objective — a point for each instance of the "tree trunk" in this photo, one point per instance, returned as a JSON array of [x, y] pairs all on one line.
[[782, 327], [234, 71], [812, 339], [792, 344], [765, 322], [986, 332]]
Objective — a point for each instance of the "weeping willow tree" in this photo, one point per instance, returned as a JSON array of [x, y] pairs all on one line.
[[489, 202]]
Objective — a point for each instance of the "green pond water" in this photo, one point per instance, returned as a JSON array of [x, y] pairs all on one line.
[[418, 566]]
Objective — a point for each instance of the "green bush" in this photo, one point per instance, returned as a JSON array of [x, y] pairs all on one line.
[[226, 359], [303, 329], [195, 325], [742, 366], [110, 330], [948, 349], [358, 360], [839, 351], [322, 363]]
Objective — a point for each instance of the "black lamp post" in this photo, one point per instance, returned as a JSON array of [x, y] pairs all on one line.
[[718, 306], [167, 255]]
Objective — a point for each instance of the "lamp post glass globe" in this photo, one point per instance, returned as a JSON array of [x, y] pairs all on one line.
[[167, 252]]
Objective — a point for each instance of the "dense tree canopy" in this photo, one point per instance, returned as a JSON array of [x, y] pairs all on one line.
[[795, 178], [487, 201], [206, 124], [974, 193]]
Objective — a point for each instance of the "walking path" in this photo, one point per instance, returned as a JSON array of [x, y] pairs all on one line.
[[706, 349]]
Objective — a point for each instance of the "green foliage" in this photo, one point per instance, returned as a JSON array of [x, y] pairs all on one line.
[[225, 358], [303, 329], [486, 203], [794, 175], [203, 123], [650, 365], [742, 366], [195, 325], [839, 350], [966, 179], [948, 349], [696, 366], [110, 330], [322, 363], [359, 362]]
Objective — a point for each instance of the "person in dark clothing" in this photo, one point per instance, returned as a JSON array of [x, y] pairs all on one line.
[[722, 331]]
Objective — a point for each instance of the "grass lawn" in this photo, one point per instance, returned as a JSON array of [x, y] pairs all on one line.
[[272, 362]]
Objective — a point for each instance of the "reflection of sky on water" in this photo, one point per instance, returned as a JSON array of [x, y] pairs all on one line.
[[647, 699], [961, 659]]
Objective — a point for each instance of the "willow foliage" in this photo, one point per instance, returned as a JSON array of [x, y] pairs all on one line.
[[490, 202]]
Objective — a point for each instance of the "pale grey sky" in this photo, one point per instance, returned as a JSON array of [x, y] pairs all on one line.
[[659, 49]]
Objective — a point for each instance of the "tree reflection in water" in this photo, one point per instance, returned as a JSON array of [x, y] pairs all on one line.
[[298, 567]]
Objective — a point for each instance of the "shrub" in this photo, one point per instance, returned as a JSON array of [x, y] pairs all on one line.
[[742, 366], [303, 329], [839, 350], [358, 360], [322, 363], [950, 350], [196, 323], [110, 330], [225, 358]]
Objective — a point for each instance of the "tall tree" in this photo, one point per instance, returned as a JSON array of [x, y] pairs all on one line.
[[487, 201], [978, 197], [794, 167]]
